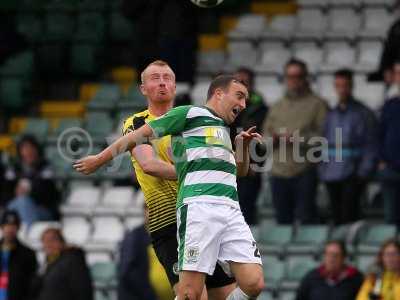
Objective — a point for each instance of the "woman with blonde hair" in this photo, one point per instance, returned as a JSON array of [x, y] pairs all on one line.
[[384, 284]]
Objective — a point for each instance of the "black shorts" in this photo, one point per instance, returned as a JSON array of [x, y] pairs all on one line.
[[165, 246]]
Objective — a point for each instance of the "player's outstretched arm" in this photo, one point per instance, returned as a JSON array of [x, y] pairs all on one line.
[[242, 143], [151, 164], [91, 163]]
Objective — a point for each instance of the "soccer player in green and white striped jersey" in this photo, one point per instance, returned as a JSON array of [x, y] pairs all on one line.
[[211, 227]]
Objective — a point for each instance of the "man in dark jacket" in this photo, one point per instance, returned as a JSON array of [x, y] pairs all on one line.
[[18, 263], [254, 115], [347, 167], [333, 280]]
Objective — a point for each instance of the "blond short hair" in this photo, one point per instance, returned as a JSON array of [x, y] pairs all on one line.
[[159, 62]]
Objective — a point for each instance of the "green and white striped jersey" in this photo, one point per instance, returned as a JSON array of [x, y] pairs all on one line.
[[202, 152]]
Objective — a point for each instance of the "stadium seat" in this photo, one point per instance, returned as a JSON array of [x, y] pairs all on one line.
[[271, 91], [241, 53], [287, 295], [107, 231], [326, 89], [121, 28], [59, 26], [274, 238], [76, 230], [12, 94], [371, 94], [19, 65], [337, 55], [366, 263], [376, 3], [133, 222], [281, 27], [38, 128], [98, 257], [60, 165], [84, 59], [81, 201], [308, 239], [265, 295], [344, 3], [91, 27], [343, 22], [30, 26], [296, 268], [210, 61], [248, 26], [92, 5], [376, 22], [105, 98], [274, 56], [51, 57], [62, 126], [133, 101], [312, 3], [116, 201], [369, 53], [104, 274], [199, 93], [374, 236], [101, 295], [310, 22], [99, 128], [274, 271], [309, 53]]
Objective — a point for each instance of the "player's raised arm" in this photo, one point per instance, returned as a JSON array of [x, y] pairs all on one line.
[[91, 163]]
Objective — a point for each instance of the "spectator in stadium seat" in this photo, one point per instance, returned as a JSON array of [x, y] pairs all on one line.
[[32, 166], [391, 52], [18, 262], [334, 279], [65, 275], [254, 115], [345, 178], [389, 165], [384, 282], [298, 116], [140, 275]]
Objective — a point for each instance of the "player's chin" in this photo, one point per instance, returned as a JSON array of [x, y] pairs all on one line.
[[162, 98]]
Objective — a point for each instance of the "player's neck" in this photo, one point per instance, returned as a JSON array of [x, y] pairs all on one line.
[[159, 109], [214, 108]]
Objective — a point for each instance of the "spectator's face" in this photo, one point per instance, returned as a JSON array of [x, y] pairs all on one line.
[[295, 78], [391, 258], [51, 244], [29, 153], [232, 101], [159, 84], [396, 74], [10, 232], [333, 258], [343, 88], [245, 78]]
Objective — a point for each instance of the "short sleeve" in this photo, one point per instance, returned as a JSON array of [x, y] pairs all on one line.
[[172, 123]]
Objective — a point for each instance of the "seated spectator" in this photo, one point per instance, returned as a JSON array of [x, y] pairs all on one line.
[[32, 166], [18, 262], [140, 274], [292, 123], [389, 157], [384, 283], [345, 178], [253, 115], [26, 207], [333, 280], [65, 275]]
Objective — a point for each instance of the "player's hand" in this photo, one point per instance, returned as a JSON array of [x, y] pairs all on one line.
[[245, 137], [87, 165]]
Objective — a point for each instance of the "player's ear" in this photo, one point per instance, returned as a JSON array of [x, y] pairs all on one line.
[[143, 90], [219, 93]]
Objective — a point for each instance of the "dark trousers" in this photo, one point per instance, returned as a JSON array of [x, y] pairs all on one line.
[[294, 197], [344, 197], [390, 179], [248, 189]]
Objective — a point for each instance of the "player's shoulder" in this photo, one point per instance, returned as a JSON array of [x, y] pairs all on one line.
[[135, 121]]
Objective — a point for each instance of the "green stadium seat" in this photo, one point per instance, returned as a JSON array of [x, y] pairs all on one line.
[[365, 263], [59, 26], [61, 166], [265, 295], [91, 27], [37, 127], [296, 268], [20, 65], [84, 59], [374, 236], [101, 295], [98, 128], [106, 98], [274, 271], [133, 100], [31, 26], [63, 125], [121, 28], [287, 295], [274, 238], [104, 274], [308, 239], [12, 93]]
